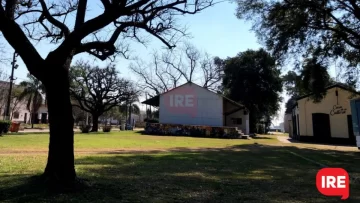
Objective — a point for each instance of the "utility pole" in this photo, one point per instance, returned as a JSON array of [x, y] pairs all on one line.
[[146, 106], [13, 67]]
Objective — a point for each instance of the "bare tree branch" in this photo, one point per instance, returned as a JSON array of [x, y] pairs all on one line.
[[80, 15], [41, 20], [46, 14], [167, 72]]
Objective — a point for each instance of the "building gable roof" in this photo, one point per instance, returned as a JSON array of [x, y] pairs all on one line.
[[155, 101], [338, 85]]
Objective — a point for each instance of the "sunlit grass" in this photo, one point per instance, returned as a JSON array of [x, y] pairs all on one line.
[[129, 167], [122, 140], [251, 173]]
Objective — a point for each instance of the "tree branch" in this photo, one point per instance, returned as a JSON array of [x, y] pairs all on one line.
[[18, 40], [80, 15], [106, 4], [52, 20]]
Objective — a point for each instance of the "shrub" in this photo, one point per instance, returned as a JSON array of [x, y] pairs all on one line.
[[106, 129], [4, 126], [151, 120], [85, 128]]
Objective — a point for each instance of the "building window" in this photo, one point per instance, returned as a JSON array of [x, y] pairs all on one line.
[[16, 115], [237, 121]]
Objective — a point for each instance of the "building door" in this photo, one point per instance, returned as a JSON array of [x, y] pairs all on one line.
[[25, 118], [43, 117], [35, 119], [321, 127], [351, 131]]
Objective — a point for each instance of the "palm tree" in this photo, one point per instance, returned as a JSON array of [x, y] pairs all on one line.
[[33, 89], [127, 109]]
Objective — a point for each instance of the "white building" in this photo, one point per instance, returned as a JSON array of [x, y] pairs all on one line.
[[191, 104], [327, 121], [19, 111]]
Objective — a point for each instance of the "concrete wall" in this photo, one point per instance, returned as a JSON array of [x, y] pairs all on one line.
[[191, 105], [22, 110], [244, 127], [338, 122]]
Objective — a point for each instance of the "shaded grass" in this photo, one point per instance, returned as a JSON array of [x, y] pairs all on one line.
[[244, 173], [123, 140]]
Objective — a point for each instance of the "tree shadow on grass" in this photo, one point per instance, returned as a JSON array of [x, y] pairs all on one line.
[[262, 138], [243, 173], [335, 143]]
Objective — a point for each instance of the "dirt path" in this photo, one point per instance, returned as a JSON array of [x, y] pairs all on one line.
[[283, 139]]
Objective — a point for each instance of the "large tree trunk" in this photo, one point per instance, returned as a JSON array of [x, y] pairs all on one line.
[[130, 114], [60, 170], [32, 119], [95, 126], [252, 123]]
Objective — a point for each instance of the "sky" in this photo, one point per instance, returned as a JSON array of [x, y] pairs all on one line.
[[215, 30]]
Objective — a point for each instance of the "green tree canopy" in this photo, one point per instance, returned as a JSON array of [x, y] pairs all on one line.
[[253, 78], [305, 28], [291, 26], [313, 77]]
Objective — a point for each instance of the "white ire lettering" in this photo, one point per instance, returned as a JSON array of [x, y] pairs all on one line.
[[333, 182], [189, 100], [178, 100]]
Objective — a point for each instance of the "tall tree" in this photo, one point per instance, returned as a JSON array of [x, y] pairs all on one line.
[[253, 79], [172, 68], [327, 29], [97, 90], [32, 90], [128, 108], [313, 78], [27, 21]]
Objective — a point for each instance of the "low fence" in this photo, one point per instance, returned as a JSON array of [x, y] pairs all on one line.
[[191, 130]]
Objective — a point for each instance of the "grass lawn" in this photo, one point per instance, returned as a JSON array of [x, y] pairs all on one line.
[[229, 171], [121, 140]]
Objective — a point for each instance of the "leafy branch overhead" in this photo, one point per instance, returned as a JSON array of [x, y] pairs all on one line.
[[323, 28]]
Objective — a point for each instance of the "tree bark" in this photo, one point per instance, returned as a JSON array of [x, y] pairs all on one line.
[[60, 170], [130, 114], [252, 122], [95, 126], [32, 119]]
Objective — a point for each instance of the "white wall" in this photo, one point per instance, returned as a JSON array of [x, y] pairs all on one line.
[[338, 122], [191, 105], [245, 121], [22, 111]]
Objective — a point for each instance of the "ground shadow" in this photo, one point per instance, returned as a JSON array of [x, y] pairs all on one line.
[[243, 173], [291, 140], [262, 138]]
